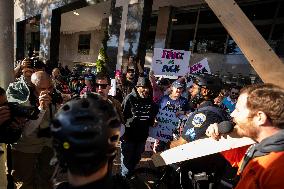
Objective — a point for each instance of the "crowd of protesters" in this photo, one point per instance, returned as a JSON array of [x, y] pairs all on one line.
[[143, 106]]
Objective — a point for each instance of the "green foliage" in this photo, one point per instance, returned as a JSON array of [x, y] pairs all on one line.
[[103, 57], [100, 64]]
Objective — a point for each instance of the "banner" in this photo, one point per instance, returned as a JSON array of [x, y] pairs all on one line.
[[170, 62], [200, 67]]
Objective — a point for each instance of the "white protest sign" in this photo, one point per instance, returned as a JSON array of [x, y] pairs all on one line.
[[193, 150], [112, 91], [200, 67], [170, 62], [167, 123]]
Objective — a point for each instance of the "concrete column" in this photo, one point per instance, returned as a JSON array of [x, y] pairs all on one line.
[[45, 33], [122, 34], [136, 27], [114, 26], [6, 42], [164, 24]]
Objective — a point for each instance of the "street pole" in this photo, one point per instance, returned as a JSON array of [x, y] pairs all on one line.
[[6, 42]]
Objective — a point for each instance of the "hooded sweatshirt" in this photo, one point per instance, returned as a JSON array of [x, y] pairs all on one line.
[[263, 164]]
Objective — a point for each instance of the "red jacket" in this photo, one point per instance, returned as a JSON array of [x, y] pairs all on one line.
[[235, 156]]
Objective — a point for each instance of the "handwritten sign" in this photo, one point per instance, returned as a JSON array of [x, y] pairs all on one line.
[[170, 62], [200, 67], [167, 122]]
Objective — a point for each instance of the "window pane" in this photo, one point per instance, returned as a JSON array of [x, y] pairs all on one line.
[[84, 43]]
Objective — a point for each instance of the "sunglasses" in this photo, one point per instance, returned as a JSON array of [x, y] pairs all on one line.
[[103, 86]]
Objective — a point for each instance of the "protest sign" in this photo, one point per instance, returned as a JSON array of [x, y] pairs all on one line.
[[193, 150], [200, 67], [112, 91], [167, 123], [170, 62]]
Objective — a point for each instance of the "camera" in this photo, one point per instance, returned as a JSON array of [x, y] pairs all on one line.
[[17, 110], [10, 133], [56, 97]]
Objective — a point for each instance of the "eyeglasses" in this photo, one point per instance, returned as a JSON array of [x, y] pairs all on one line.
[[234, 93], [103, 86]]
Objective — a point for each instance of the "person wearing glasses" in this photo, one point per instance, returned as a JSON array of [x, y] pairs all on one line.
[[103, 85], [229, 103]]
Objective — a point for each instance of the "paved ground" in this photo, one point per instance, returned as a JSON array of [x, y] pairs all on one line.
[[145, 162]]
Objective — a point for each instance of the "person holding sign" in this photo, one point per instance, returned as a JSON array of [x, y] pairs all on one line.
[[204, 89], [170, 108]]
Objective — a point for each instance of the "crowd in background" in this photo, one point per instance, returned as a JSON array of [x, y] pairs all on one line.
[[145, 104]]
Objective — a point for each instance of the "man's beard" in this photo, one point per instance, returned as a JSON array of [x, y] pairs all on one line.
[[246, 130]]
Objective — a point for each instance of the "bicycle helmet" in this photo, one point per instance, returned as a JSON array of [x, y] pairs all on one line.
[[85, 133], [211, 82]]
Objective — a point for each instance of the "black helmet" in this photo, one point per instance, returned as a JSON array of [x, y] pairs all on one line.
[[208, 81], [85, 133], [211, 82]]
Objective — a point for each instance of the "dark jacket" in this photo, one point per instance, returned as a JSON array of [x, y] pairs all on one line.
[[127, 86], [108, 182], [139, 114], [117, 106], [197, 123]]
